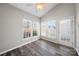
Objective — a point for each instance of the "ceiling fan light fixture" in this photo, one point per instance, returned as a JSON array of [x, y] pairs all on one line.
[[40, 6]]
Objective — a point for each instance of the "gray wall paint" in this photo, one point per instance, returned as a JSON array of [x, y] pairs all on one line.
[[11, 27], [59, 12]]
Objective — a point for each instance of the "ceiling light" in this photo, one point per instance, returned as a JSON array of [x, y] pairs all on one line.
[[40, 6]]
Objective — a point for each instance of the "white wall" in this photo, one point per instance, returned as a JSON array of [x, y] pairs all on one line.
[[77, 25], [11, 27], [60, 12]]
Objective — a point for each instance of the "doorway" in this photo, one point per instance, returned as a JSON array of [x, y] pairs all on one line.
[[66, 32]]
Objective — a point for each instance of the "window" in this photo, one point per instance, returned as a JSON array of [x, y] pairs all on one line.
[[36, 28], [27, 28], [48, 28], [31, 28], [51, 28], [44, 28]]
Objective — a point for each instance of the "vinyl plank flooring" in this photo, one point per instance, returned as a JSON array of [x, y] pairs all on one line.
[[42, 48]]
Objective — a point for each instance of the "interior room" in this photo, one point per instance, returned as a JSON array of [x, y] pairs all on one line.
[[39, 29]]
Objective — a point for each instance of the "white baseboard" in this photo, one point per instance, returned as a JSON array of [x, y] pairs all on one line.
[[19, 45], [49, 39], [54, 40]]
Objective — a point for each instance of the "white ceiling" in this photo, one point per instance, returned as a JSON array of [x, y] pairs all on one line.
[[30, 8]]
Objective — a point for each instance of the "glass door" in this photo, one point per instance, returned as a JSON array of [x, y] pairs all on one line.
[[66, 32]]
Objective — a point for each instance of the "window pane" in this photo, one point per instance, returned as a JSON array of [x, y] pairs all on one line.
[[44, 28], [27, 28], [36, 28], [52, 29], [48, 28]]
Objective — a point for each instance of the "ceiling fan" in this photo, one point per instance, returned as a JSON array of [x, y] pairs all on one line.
[[38, 6]]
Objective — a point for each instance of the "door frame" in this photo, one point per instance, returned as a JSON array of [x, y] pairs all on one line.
[[73, 30]]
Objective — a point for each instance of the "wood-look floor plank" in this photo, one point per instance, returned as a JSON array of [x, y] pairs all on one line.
[[42, 48]]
